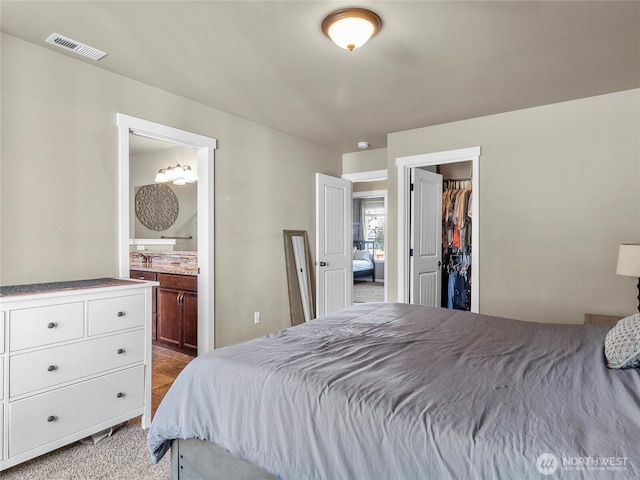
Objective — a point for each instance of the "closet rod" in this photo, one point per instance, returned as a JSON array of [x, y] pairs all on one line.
[[456, 183]]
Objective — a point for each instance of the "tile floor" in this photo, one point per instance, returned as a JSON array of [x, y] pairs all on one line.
[[165, 367]]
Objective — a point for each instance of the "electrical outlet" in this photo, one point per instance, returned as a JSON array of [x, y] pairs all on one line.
[[256, 317]]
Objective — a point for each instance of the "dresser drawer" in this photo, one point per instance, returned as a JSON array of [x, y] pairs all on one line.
[[118, 313], [45, 368], [1, 431], [1, 382], [2, 333], [41, 419], [34, 327]]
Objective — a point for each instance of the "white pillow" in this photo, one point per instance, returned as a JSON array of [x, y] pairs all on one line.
[[622, 343], [362, 255]]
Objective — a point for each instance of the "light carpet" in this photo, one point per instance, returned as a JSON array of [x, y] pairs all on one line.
[[123, 455], [365, 292]]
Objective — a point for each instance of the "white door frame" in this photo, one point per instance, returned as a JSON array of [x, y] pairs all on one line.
[[404, 165], [205, 147]]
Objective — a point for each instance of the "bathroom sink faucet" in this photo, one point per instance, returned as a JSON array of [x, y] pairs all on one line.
[[146, 258]]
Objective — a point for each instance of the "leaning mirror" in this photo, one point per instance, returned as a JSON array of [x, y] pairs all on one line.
[[299, 276]]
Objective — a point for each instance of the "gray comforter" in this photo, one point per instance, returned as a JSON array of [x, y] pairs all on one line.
[[395, 391]]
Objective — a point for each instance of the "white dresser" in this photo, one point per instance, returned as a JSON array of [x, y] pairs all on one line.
[[75, 359]]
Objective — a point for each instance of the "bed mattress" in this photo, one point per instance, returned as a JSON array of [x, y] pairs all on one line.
[[362, 265], [402, 391]]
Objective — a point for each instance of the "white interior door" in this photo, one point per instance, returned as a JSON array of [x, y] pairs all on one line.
[[426, 238], [334, 271]]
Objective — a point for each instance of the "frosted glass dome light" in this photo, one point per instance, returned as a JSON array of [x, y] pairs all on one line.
[[351, 28]]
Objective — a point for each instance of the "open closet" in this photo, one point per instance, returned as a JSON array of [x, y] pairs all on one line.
[[457, 220], [420, 223]]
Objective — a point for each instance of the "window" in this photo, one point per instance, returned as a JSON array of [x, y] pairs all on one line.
[[373, 215]]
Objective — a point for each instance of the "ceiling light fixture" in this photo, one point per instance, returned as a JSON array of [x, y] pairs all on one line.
[[350, 28], [177, 175]]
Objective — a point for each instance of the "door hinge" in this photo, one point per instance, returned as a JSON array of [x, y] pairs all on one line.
[[411, 252], [411, 187]]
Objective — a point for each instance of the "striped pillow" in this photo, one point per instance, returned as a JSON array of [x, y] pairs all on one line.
[[622, 343]]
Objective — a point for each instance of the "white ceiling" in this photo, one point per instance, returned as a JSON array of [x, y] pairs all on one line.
[[433, 61]]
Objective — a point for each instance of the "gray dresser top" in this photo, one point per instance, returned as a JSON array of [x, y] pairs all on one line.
[[29, 289]]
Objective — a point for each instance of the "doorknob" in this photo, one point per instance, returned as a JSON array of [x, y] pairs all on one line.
[[323, 264]]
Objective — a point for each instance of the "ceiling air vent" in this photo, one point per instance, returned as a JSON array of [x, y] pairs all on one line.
[[76, 47]]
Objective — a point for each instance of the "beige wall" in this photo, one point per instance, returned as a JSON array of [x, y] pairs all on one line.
[[559, 190], [369, 186], [59, 183], [364, 161]]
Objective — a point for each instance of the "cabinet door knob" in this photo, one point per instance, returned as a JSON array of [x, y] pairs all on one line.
[[121, 314], [51, 368], [120, 395], [120, 351], [51, 325], [51, 418]]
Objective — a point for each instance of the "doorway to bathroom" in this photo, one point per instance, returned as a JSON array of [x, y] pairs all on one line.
[[158, 211]]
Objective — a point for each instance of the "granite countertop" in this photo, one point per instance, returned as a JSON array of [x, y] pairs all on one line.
[[176, 262], [11, 290], [166, 268]]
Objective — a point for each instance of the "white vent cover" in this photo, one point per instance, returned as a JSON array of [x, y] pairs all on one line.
[[76, 47]]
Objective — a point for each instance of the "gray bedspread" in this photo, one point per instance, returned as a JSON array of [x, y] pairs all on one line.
[[395, 391]]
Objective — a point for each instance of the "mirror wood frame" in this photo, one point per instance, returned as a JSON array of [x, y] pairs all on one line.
[[295, 298]]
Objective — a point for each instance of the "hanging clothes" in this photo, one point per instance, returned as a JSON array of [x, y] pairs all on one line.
[[457, 198]]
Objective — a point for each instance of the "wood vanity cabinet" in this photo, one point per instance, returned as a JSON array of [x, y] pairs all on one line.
[[177, 307], [152, 277]]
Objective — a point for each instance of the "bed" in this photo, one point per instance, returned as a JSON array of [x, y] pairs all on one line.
[[363, 266], [397, 391]]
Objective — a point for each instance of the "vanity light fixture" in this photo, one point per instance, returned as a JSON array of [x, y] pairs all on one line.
[[178, 175], [350, 28]]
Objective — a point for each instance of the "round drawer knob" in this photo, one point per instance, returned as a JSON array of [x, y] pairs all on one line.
[[120, 351], [51, 325], [120, 395], [51, 418], [121, 314], [51, 368]]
